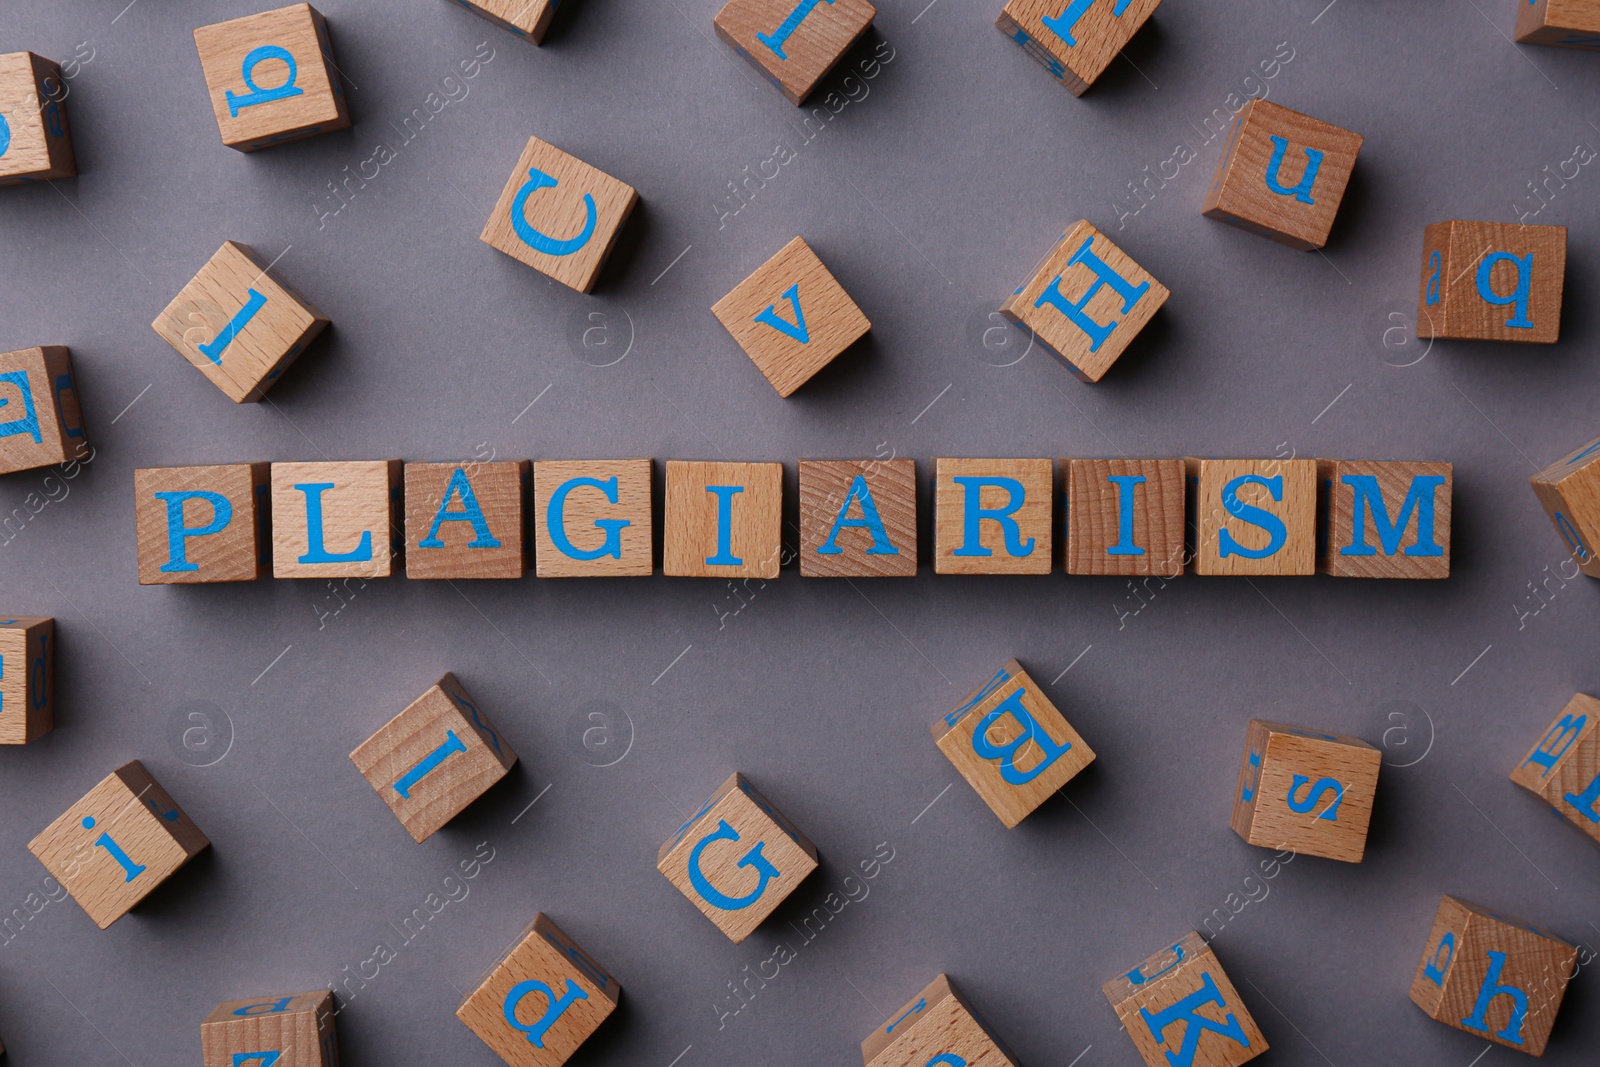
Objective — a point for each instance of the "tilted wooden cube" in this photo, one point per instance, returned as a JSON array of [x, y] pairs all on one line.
[[1570, 492], [1492, 281], [1253, 516], [858, 518], [202, 524], [336, 519], [793, 43], [41, 421], [1494, 977], [35, 143], [434, 758], [937, 1029], [1385, 519], [1563, 23], [115, 846], [27, 679], [1305, 790], [288, 1031], [993, 516], [723, 520], [528, 19], [1181, 1011], [464, 520], [272, 78], [737, 858], [1075, 40], [1563, 769], [1124, 516], [592, 518]]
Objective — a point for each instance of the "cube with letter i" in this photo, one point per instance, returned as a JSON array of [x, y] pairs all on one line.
[[1253, 516], [1181, 1011], [272, 78], [35, 144], [464, 520], [793, 43], [202, 524], [592, 518], [290, 1031], [1385, 519], [937, 1029], [41, 421], [1124, 516], [723, 519], [1570, 492], [528, 19], [1563, 23], [993, 516], [858, 518], [1075, 40], [1305, 790], [27, 676], [335, 520], [1492, 281], [1563, 769]]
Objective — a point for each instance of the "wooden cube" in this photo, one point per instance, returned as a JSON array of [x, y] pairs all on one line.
[[1075, 40], [1492, 281], [1282, 175], [202, 524], [1124, 516], [35, 143], [272, 77], [434, 758], [1005, 722], [1563, 769], [1181, 1011], [239, 323], [791, 317], [1086, 301], [41, 421], [858, 518], [1385, 519], [27, 679], [335, 520], [464, 520], [993, 516], [1570, 492], [592, 518], [1494, 977], [737, 858], [1564, 23], [793, 43], [528, 19], [292, 1031], [541, 999], [567, 232], [1254, 516], [1306, 790], [113, 847], [723, 520], [939, 1028]]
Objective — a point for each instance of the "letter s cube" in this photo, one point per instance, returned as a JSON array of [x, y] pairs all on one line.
[[272, 77], [1563, 769], [1570, 492], [1306, 791], [937, 1029], [1181, 1011], [35, 143], [27, 687], [1492, 281], [41, 421], [291, 1031]]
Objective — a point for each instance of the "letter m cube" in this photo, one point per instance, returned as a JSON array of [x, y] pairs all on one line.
[[1563, 769]]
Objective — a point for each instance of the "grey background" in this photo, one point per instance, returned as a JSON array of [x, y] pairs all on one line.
[[930, 196]]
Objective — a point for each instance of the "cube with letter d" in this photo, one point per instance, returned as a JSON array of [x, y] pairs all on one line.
[[202, 524]]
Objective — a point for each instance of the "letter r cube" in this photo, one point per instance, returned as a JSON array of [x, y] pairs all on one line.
[[1181, 1011], [27, 670], [1563, 768], [290, 1031], [939, 1028], [272, 78], [1305, 790], [1570, 492]]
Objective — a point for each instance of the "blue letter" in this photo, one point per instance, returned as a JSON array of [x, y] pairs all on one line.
[[1131, 294], [774, 41], [1491, 988], [1249, 792], [724, 495], [1061, 25], [1301, 192], [1314, 793], [1125, 484], [557, 1008], [1433, 970], [753, 859], [1585, 802], [408, 781], [257, 95], [315, 551], [178, 534], [1519, 296], [259, 1059], [1185, 1011], [555, 519], [946, 1059], [272, 1006], [1419, 498], [1138, 977], [29, 423], [1032, 734], [881, 545], [1433, 279], [550, 246], [5, 135], [105, 841], [1266, 520], [974, 513], [213, 348], [1564, 733], [922, 1002], [797, 329], [471, 512]]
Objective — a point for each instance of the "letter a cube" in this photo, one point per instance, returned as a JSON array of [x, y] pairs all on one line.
[[1181, 1011], [938, 1028], [464, 520], [1254, 516], [541, 999], [737, 858], [272, 78], [1563, 23], [27, 672], [528, 19], [1492, 281], [1563, 769], [858, 518], [1385, 519], [1075, 40], [35, 143], [40, 420], [292, 1031], [113, 847], [1570, 493], [793, 43], [1307, 791], [434, 758], [1496, 978], [202, 524]]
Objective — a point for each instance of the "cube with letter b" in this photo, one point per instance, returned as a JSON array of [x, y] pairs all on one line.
[[27, 677], [1563, 769], [291, 1031], [41, 421], [1570, 492], [1492, 281], [464, 520], [993, 516], [1385, 519], [858, 518], [723, 519], [1305, 790], [938, 1029], [1254, 516], [1181, 1011], [793, 43], [35, 144], [592, 518], [202, 524], [1075, 40], [335, 520], [272, 78], [1124, 516], [1563, 23]]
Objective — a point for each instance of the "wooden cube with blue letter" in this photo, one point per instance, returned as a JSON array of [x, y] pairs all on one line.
[[1253, 516], [1569, 489], [793, 43], [1075, 40], [592, 518], [41, 421], [1492, 281], [858, 518], [272, 78], [1563, 23], [937, 1029], [1124, 516], [993, 516], [434, 758], [737, 858], [723, 520], [335, 520], [35, 143], [202, 524], [27, 679], [1181, 1011], [559, 215], [1306, 790], [291, 1031], [113, 847], [464, 520], [1385, 519], [1563, 769], [1496, 978], [528, 19], [791, 317]]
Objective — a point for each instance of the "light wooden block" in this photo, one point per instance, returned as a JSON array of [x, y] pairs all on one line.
[[1563, 23], [335, 520], [1570, 492], [541, 999], [1385, 519], [1124, 516], [272, 78], [939, 1027], [1086, 301], [1496, 978], [1253, 516], [1306, 790], [41, 421], [27, 679], [464, 520], [737, 858], [592, 518], [791, 317], [202, 524], [858, 518], [993, 516], [528, 19], [1492, 281], [1075, 40], [290, 1031], [1181, 1011], [723, 520], [112, 848], [559, 215], [434, 758], [793, 43], [1563, 769], [239, 324], [35, 143]]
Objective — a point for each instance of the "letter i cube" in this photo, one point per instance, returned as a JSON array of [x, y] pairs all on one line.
[[40, 420], [723, 520], [1496, 978], [272, 78], [1563, 769], [35, 143], [541, 999], [464, 520], [1124, 516], [528, 19], [202, 524], [1306, 791], [793, 43], [1492, 281], [1563, 23], [1253, 516], [1385, 519], [27, 672], [1075, 40], [737, 858], [292, 1031], [1570, 493], [938, 1028], [112, 848], [434, 758], [336, 519], [1180, 1009]]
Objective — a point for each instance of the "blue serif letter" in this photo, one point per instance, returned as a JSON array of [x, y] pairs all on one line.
[[1301, 192], [1518, 297], [28, 422], [1185, 1012], [881, 545], [214, 348], [1104, 275], [1277, 533], [973, 514], [1419, 498], [425, 766], [1314, 794], [1125, 488], [765, 871], [556, 521], [1032, 735], [1062, 25], [258, 95], [557, 1007], [1491, 988], [724, 556], [178, 534], [540, 242], [775, 40], [471, 511], [797, 328], [316, 552]]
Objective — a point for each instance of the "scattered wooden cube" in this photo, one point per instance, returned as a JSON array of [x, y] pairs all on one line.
[[791, 317], [1494, 977], [1385, 519], [1564, 23], [1006, 721], [1254, 516], [541, 999], [35, 143], [938, 1028], [272, 77], [292, 1031], [1180, 1009], [592, 518], [793, 43], [1086, 301], [1570, 493], [1492, 281], [1124, 516], [993, 516], [1075, 40], [464, 520], [335, 520], [567, 232], [737, 858], [41, 421], [202, 524], [434, 758], [1563, 769], [113, 847], [528, 19], [858, 518], [723, 520], [1307, 791], [27, 679]]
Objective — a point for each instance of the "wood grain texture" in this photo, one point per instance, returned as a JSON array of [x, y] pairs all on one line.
[[263, 110], [937, 1022], [1563, 768], [41, 410], [299, 1027], [33, 107], [1562, 23], [360, 519], [794, 57], [815, 318], [27, 678], [693, 526], [240, 548], [489, 494], [1094, 516], [1306, 790], [1080, 53], [528, 19], [832, 490], [1215, 513], [1569, 490], [560, 213], [1407, 552], [1184, 969], [1461, 260], [130, 810], [1021, 544], [589, 517]]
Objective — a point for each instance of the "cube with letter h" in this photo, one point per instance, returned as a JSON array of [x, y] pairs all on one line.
[[1075, 40], [1563, 769], [723, 519], [272, 78], [464, 520], [292, 1031], [993, 516], [27, 670], [1181, 1011], [40, 419], [937, 1029], [1570, 492], [592, 518], [35, 144], [1492, 281], [1563, 23], [793, 43], [335, 519], [202, 524], [1385, 519], [1305, 790], [1254, 516], [858, 518]]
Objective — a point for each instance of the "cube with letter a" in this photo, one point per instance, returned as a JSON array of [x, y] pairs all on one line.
[[1181, 1011], [1254, 516], [937, 1029], [793, 43], [1570, 492], [272, 78], [993, 516], [858, 518], [335, 519], [1563, 23], [1492, 281], [1385, 519], [27, 669], [1563, 769], [290, 1031], [35, 144], [464, 520], [41, 421], [202, 524], [1075, 40], [1307, 791]]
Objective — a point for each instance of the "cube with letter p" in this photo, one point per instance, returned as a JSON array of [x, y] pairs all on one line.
[[202, 524]]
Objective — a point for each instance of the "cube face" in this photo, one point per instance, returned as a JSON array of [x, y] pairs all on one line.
[[27, 679], [1385, 519], [1075, 40], [791, 317], [723, 520], [202, 524], [1124, 516], [559, 215], [1307, 791], [464, 520], [993, 516], [592, 518], [1254, 516], [335, 520], [1282, 175], [434, 758], [528, 19], [938, 1027], [1181, 1011], [858, 518], [1563, 23], [737, 858], [1492, 281], [285, 1031], [41, 421], [1563, 769], [1570, 493], [272, 78], [35, 143], [1086, 301], [239, 324], [113, 847], [793, 43]]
